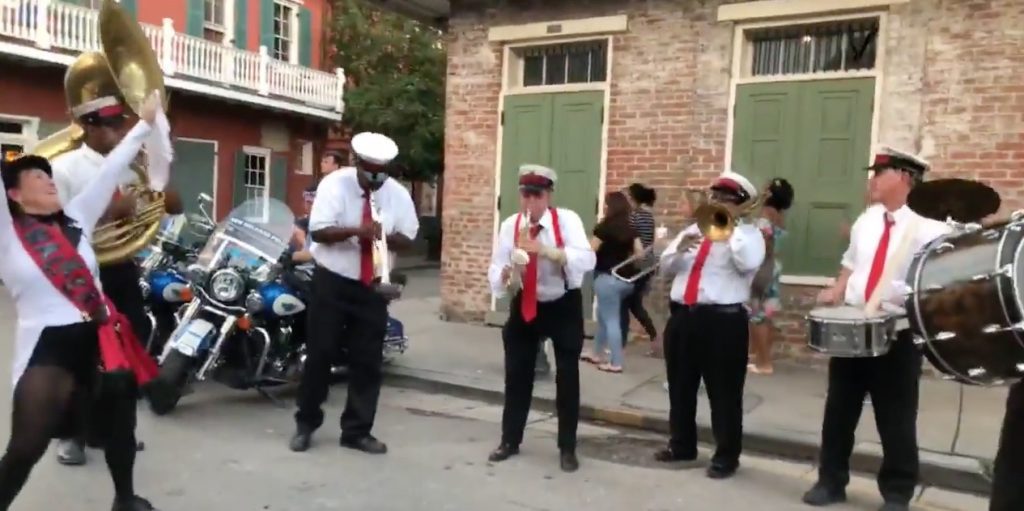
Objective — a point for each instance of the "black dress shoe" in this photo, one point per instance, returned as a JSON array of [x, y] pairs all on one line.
[[133, 504], [667, 455], [367, 444], [821, 495], [716, 471], [503, 452], [569, 462], [300, 441]]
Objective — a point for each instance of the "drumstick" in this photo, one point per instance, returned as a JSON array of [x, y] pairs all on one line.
[[896, 260]]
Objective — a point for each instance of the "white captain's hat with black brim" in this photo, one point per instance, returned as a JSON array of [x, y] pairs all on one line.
[[888, 157], [374, 148], [533, 177], [734, 183]]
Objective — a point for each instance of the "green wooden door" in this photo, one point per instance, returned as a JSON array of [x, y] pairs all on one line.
[[562, 131], [193, 172], [817, 135]]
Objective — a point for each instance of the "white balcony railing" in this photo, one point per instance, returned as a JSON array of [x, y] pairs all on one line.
[[75, 29]]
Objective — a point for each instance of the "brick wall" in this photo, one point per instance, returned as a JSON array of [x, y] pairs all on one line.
[[951, 76]]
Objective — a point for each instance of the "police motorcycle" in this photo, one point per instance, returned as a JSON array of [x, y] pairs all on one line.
[[163, 265], [240, 328]]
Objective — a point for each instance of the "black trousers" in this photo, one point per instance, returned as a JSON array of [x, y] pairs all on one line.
[[893, 382], [634, 303], [562, 322], [343, 311], [1008, 476], [121, 284], [707, 342]]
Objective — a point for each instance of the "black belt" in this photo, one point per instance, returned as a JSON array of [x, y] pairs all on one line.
[[710, 307]]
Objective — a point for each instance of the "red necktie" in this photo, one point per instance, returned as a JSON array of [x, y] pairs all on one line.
[[879, 262], [366, 248], [693, 282], [528, 300]]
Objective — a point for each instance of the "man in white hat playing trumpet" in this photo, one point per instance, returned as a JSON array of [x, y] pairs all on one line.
[[544, 253], [707, 332], [892, 380], [344, 306]]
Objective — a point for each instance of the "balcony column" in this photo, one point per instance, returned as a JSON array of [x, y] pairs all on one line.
[[167, 61], [41, 24], [264, 71]]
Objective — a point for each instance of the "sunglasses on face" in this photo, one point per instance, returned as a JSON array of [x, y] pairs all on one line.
[[373, 168], [530, 193]]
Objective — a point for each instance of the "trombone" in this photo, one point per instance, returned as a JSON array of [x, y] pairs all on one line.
[[518, 261], [714, 221]]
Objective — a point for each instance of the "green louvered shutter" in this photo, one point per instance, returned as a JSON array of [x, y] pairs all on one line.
[[129, 5], [305, 37], [238, 189], [267, 24], [241, 24], [279, 178], [195, 18]]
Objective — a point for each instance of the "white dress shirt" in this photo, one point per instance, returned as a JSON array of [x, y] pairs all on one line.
[[37, 303], [74, 170], [551, 285], [864, 238], [339, 203], [728, 271]]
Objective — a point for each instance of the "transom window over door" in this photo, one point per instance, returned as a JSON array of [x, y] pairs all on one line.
[[561, 64], [214, 24], [284, 32], [833, 47]]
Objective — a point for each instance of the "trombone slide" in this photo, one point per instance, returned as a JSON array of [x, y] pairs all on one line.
[[659, 233], [381, 256], [518, 261]]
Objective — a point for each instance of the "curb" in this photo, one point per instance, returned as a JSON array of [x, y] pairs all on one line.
[[951, 472], [428, 265]]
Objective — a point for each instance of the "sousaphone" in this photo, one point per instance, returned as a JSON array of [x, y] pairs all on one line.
[[127, 68]]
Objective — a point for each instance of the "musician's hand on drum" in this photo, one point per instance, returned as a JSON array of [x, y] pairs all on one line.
[[829, 295]]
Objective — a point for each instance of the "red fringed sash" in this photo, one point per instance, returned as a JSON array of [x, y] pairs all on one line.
[[63, 266]]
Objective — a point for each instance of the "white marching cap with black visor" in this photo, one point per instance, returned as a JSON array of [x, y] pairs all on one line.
[[374, 148], [536, 178], [735, 183], [888, 157]]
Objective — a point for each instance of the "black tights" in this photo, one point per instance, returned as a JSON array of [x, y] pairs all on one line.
[[41, 400]]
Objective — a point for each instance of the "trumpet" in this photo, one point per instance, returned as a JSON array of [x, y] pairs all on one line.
[[382, 258], [518, 261], [717, 223]]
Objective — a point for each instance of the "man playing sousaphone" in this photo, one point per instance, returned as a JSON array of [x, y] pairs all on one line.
[[884, 235]]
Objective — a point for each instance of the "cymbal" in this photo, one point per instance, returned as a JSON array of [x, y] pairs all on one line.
[[963, 200]]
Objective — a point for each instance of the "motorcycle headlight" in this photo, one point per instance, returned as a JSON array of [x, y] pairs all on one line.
[[253, 302], [227, 285]]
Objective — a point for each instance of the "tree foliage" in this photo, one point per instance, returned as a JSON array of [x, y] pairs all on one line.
[[396, 70]]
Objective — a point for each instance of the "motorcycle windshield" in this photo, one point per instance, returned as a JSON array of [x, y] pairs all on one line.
[[255, 233]]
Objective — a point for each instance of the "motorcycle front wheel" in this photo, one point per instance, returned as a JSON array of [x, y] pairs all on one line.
[[167, 388]]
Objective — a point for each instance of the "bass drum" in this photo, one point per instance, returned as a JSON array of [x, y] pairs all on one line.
[[967, 303]]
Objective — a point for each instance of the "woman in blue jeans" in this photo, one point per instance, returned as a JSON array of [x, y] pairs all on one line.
[[614, 241]]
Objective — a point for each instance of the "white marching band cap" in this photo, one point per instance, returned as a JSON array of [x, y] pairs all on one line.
[[374, 148], [737, 183], [97, 105], [537, 176], [888, 157]]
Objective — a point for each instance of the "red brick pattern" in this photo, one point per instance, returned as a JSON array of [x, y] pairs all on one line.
[[952, 77]]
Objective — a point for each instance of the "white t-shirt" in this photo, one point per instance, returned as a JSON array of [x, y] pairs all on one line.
[[74, 170]]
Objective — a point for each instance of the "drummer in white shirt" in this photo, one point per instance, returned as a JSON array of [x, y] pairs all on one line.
[[892, 380], [344, 305]]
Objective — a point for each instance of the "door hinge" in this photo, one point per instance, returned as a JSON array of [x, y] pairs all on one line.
[[602, 115], [499, 202], [597, 206], [502, 117]]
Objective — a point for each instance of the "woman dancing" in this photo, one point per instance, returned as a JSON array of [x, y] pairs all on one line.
[[66, 326]]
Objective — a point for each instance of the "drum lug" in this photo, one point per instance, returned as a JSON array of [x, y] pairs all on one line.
[[944, 246], [948, 377], [979, 278], [1006, 270], [918, 340], [1020, 368], [992, 234], [972, 227], [975, 372], [1017, 216], [944, 336], [933, 287], [993, 328]]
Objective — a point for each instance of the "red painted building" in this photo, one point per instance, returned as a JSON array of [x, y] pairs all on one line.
[[251, 101]]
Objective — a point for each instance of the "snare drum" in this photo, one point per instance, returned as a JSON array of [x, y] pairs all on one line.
[[966, 305], [847, 331]]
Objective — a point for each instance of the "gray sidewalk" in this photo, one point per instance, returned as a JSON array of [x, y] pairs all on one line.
[[783, 411]]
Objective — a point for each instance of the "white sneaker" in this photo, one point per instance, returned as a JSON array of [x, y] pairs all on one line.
[[70, 452]]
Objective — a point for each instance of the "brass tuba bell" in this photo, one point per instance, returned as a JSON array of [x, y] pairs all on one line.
[[717, 223], [126, 68]]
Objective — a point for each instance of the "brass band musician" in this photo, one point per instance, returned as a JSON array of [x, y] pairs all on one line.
[[892, 380], [707, 332]]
